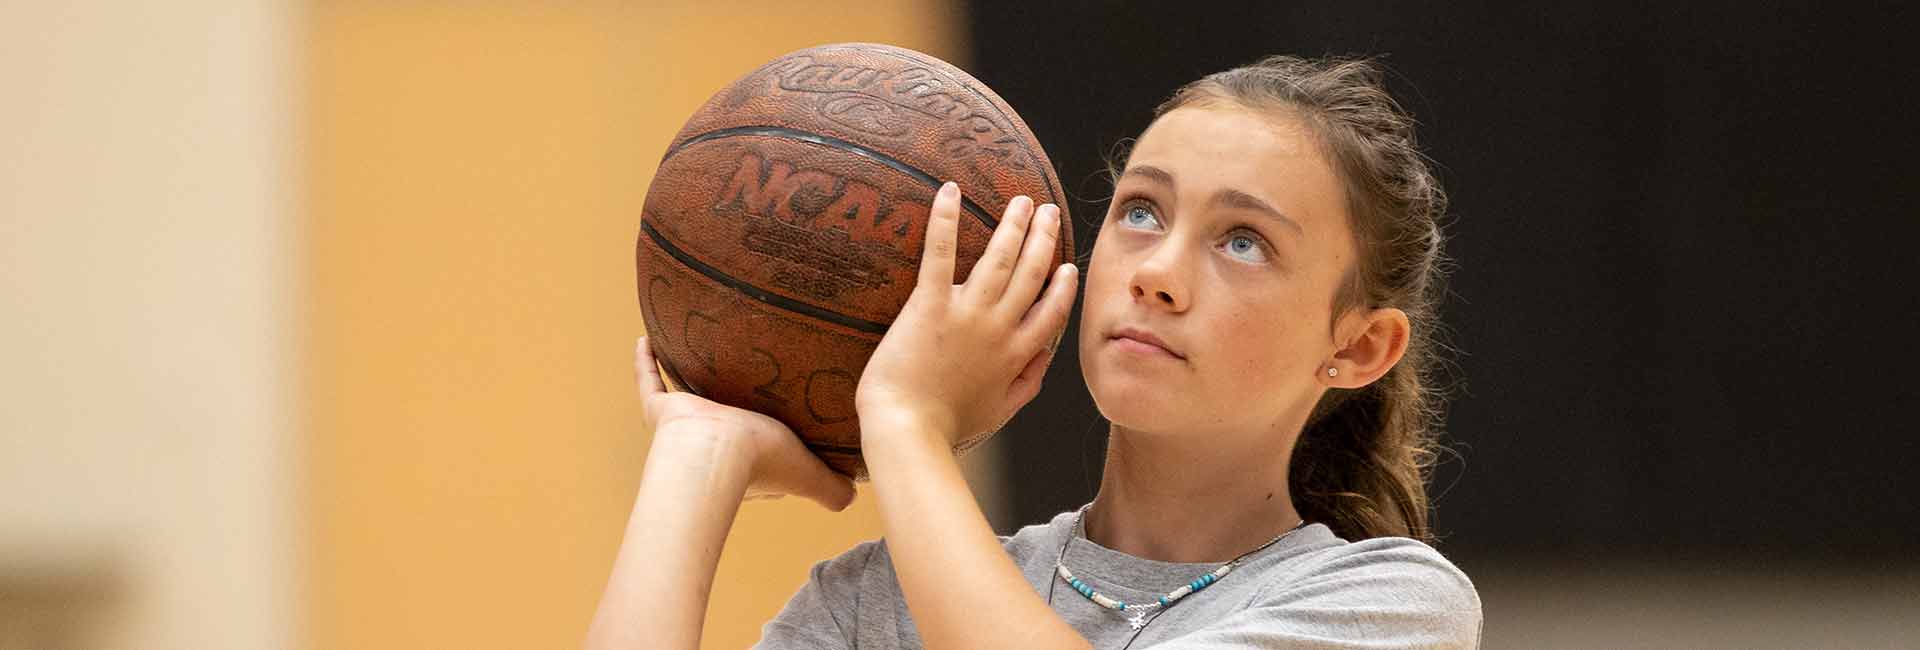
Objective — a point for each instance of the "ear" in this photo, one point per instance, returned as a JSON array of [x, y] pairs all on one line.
[[1375, 340]]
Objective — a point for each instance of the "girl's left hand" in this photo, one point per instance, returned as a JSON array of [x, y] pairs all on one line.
[[964, 358]]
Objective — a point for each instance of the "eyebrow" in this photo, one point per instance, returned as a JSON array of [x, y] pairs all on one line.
[[1229, 197]]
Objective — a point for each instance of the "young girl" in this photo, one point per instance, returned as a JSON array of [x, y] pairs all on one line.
[[1258, 305]]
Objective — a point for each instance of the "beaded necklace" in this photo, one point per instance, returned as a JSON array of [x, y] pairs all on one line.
[[1140, 611]]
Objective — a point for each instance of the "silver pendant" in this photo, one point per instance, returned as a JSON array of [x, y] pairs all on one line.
[[1139, 620]]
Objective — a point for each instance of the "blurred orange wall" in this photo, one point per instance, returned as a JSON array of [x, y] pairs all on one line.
[[475, 173]]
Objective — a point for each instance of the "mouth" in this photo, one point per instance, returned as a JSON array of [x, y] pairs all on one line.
[[1142, 342]]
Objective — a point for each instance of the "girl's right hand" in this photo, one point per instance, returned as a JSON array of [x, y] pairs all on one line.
[[690, 424]]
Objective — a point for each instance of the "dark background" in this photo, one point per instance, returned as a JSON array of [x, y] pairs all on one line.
[[1683, 241]]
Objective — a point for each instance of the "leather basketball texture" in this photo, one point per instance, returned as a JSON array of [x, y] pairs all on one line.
[[783, 230]]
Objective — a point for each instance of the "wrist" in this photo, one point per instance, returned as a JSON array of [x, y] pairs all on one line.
[[710, 454], [902, 428]]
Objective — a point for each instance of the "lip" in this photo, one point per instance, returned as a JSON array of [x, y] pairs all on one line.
[[1140, 336]]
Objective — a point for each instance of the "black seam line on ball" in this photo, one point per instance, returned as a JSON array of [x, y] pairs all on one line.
[[757, 293], [833, 449], [827, 140]]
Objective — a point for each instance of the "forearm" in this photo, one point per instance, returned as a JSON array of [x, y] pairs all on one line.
[[690, 491], [962, 588]]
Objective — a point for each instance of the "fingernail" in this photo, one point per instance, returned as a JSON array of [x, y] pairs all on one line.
[[949, 189]]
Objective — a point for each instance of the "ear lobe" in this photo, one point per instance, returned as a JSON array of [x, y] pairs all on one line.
[[1370, 352]]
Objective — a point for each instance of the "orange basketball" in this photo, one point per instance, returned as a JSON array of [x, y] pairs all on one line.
[[782, 232]]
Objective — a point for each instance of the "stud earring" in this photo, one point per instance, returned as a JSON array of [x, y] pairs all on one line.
[[1332, 371]]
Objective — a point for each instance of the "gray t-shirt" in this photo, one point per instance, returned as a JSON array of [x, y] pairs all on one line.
[[1309, 590]]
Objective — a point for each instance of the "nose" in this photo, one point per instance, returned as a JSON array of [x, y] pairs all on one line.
[[1158, 281]]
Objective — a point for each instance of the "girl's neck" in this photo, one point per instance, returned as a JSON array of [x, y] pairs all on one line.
[[1163, 497]]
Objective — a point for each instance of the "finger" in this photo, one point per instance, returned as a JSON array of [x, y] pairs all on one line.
[[943, 224], [1036, 257], [1043, 323], [988, 279], [646, 372]]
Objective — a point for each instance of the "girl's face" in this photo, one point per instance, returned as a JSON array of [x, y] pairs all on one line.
[[1225, 240]]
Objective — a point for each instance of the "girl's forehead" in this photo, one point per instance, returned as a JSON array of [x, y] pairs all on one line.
[[1223, 130]]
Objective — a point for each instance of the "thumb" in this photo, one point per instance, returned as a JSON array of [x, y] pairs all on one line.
[[1026, 386], [832, 490]]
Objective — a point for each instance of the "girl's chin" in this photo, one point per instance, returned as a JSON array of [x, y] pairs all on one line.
[[1134, 404]]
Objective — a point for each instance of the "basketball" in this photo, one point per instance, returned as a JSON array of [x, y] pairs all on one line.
[[782, 232]]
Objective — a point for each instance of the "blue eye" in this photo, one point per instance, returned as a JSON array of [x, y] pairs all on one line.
[[1137, 211], [1246, 243]]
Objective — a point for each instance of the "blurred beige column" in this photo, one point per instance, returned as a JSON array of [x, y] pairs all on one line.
[[149, 288]]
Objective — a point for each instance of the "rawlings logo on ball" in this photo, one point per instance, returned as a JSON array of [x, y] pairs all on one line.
[[866, 98]]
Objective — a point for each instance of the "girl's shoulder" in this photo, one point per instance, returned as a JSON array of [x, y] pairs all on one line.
[[1034, 540], [1371, 572]]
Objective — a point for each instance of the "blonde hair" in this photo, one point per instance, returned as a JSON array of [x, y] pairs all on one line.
[[1364, 457]]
